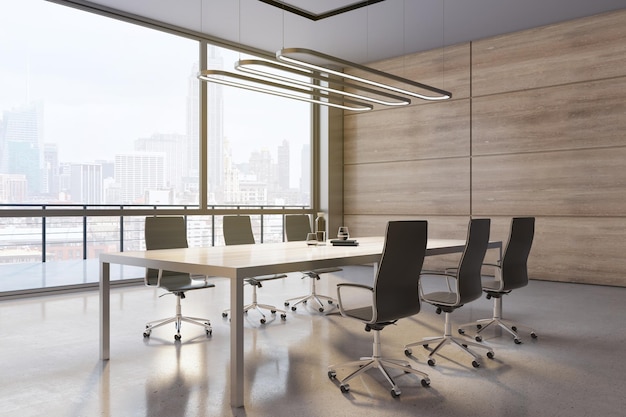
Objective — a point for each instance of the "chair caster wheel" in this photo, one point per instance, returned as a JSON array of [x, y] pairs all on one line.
[[146, 334], [517, 341], [475, 364], [426, 383], [395, 393], [293, 308], [330, 301], [533, 335], [209, 332], [461, 331], [478, 326], [332, 374], [263, 321], [177, 337], [431, 362], [224, 315], [408, 352], [283, 316], [490, 355], [478, 338], [286, 304], [273, 311], [514, 328], [321, 309], [345, 388]]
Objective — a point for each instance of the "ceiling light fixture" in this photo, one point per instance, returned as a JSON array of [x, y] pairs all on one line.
[[287, 55], [291, 76], [256, 67], [260, 85]]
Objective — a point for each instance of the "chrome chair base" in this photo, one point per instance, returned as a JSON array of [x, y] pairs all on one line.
[[178, 319], [313, 295], [448, 339], [254, 305], [497, 321], [376, 361]]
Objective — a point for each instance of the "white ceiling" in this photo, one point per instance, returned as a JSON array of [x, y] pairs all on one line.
[[382, 30]]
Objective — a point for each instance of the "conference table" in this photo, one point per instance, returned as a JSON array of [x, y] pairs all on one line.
[[242, 261]]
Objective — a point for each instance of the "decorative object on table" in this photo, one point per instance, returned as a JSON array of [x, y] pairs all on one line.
[[311, 239], [320, 227], [344, 242]]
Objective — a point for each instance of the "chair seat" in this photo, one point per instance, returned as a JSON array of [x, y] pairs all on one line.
[[364, 314], [443, 298], [179, 283], [257, 280], [491, 284], [316, 272]]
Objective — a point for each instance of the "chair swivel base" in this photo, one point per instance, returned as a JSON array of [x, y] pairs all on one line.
[[509, 326], [313, 295], [177, 320], [304, 299], [376, 361], [497, 319], [257, 306], [448, 339]]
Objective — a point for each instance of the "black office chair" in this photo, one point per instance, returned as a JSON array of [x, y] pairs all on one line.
[[466, 288], [238, 231], [297, 226], [171, 233], [394, 296], [510, 273]]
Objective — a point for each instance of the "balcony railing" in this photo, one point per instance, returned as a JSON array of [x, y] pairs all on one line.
[[38, 239]]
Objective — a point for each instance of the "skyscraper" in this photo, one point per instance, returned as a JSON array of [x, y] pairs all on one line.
[[21, 145], [215, 127]]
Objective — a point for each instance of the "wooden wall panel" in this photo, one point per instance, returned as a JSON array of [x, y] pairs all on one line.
[[430, 187], [445, 227], [584, 115], [546, 113], [585, 49], [569, 183], [410, 133], [574, 249]]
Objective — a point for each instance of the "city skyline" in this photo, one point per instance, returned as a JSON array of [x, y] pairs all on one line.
[[116, 74], [120, 83]]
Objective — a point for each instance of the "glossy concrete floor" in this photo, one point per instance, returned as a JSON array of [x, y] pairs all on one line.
[[49, 362]]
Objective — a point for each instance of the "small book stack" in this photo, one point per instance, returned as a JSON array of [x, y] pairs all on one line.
[[344, 242]]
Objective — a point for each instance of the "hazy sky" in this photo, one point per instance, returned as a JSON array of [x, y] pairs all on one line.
[[105, 83]]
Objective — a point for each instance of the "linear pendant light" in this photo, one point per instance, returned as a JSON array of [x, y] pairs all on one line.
[[260, 85], [287, 55], [254, 66]]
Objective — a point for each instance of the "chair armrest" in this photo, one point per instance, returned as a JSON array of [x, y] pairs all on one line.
[[358, 292], [158, 281], [497, 268], [444, 274]]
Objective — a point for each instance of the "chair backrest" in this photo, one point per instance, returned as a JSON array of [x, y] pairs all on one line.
[[396, 292], [238, 230], [297, 226], [469, 284], [515, 258], [164, 233]]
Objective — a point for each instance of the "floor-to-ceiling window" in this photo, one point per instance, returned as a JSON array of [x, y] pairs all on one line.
[[100, 112]]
